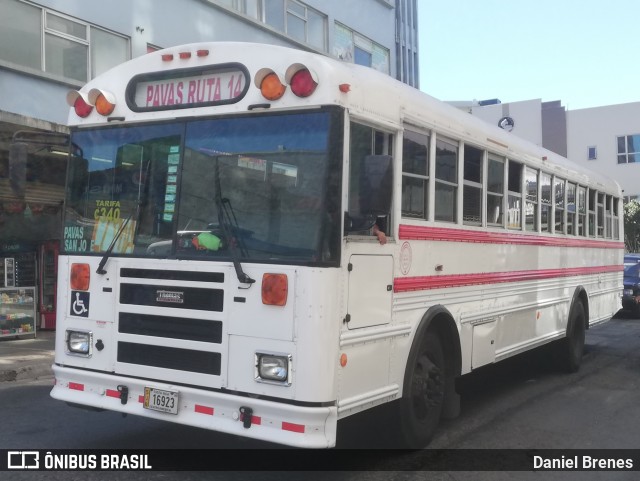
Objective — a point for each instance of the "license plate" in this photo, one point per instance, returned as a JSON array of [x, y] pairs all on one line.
[[627, 292], [161, 400]]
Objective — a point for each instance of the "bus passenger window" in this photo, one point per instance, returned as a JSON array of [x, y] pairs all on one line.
[[545, 202], [592, 213], [571, 209], [446, 181], [582, 211], [531, 205], [415, 174], [495, 191], [472, 189], [514, 187], [365, 141], [559, 192]]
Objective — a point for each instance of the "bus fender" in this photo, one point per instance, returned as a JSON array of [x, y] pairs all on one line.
[[580, 295], [570, 349], [439, 320]]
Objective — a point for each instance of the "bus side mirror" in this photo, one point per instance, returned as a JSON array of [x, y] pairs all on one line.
[[18, 168], [375, 189]]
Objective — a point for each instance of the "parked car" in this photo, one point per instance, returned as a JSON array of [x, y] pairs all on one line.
[[631, 283], [630, 259]]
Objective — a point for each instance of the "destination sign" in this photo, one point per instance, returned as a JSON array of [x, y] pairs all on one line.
[[164, 91]]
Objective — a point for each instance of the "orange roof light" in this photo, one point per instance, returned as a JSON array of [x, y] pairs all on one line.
[[271, 87], [104, 102]]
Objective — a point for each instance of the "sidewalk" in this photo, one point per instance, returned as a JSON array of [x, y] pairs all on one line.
[[28, 358]]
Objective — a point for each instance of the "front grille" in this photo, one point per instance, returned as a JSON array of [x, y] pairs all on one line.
[[170, 358], [171, 327], [172, 296], [173, 275], [187, 319]]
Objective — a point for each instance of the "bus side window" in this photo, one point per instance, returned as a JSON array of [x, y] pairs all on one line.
[[365, 141]]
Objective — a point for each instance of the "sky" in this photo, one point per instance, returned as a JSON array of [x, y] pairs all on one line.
[[585, 53]]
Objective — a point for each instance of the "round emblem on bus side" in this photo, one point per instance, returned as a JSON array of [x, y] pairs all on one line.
[[405, 258]]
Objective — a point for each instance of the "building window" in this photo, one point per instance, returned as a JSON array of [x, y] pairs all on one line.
[[629, 149], [40, 39], [298, 21], [592, 153], [352, 47]]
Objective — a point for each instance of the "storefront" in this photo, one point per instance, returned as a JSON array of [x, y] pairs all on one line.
[[18, 290], [30, 230]]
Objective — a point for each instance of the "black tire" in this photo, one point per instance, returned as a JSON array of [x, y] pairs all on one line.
[[421, 404], [571, 348]]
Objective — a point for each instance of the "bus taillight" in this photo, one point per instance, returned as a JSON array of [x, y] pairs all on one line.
[[80, 103], [303, 82], [103, 101], [275, 288], [80, 277]]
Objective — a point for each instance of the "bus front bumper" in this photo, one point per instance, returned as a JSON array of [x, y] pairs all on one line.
[[308, 427]]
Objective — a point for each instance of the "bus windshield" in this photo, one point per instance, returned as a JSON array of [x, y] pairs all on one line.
[[260, 188]]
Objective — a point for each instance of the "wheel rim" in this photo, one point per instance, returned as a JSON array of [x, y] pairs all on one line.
[[427, 386]]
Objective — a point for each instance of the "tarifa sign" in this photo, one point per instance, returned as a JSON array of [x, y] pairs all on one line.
[[187, 88]]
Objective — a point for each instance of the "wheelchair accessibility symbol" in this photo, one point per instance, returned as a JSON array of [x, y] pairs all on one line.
[[79, 304]]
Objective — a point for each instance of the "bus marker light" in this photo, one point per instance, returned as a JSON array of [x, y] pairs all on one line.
[[103, 101], [202, 53], [343, 359], [275, 288], [271, 87], [185, 55], [80, 103], [302, 80], [344, 88], [80, 277], [167, 57]]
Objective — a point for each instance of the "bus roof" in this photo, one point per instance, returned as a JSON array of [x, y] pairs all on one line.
[[214, 78]]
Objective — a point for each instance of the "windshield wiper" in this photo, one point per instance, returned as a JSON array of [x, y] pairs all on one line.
[[101, 270], [225, 220]]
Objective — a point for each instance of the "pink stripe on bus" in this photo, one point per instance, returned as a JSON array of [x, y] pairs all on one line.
[[444, 234], [404, 284]]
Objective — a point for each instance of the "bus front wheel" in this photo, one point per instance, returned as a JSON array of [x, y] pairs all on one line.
[[421, 404]]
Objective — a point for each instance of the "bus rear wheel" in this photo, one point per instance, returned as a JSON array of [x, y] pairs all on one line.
[[571, 348], [421, 404]]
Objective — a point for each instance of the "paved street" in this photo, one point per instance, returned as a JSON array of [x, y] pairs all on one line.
[[521, 403]]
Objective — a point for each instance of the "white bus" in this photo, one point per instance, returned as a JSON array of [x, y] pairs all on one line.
[[219, 269]]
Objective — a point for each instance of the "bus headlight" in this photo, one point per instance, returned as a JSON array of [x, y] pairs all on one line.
[[78, 343], [273, 368]]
